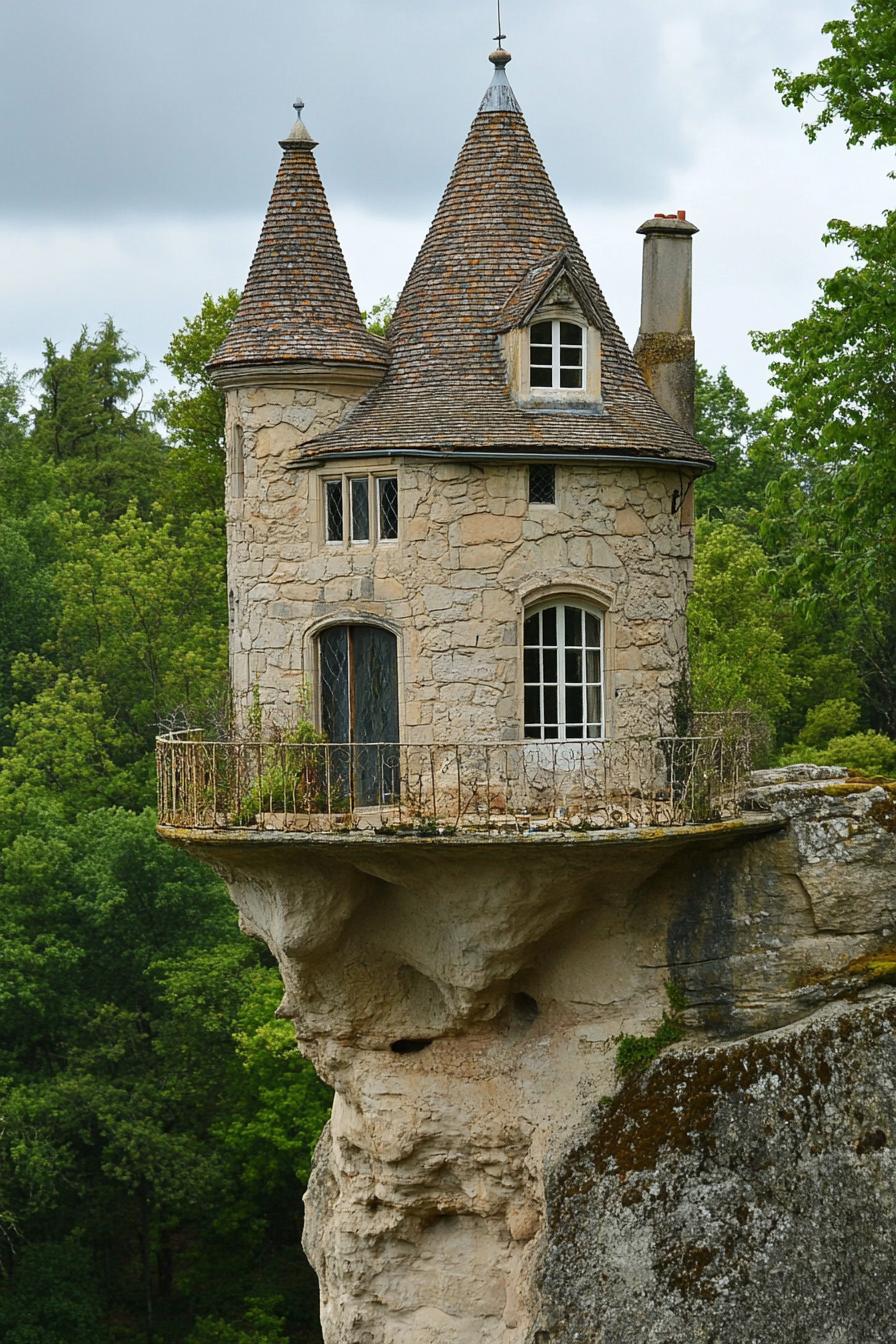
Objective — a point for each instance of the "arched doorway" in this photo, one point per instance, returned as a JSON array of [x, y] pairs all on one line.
[[358, 678]]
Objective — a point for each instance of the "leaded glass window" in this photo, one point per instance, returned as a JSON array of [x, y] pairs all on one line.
[[361, 509], [358, 669], [556, 355], [387, 495], [542, 485], [360, 494], [563, 673], [335, 511]]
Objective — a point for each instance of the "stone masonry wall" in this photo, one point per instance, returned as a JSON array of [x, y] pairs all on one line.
[[471, 553]]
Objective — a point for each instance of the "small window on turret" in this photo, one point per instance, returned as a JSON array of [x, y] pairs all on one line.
[[542, 485]]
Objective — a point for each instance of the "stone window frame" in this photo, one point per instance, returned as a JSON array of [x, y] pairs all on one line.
[[373, 477], [516, 348], [311, 656]]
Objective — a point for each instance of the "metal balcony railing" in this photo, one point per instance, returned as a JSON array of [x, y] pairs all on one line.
[[516, 787]]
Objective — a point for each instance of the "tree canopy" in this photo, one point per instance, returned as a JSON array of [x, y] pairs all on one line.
[[156, 1120]]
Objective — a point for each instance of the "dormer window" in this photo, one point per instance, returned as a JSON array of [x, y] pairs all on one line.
[[556, 355]]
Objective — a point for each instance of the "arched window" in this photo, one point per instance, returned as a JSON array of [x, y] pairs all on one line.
[[563, 672], [556, 355]]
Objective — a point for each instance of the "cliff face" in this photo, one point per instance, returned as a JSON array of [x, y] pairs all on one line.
[[744, 1193], [485, 1177]]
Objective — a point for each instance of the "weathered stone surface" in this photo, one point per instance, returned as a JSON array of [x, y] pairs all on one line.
[[465, 998], [744, 1193], [613, 537], [759, 942]]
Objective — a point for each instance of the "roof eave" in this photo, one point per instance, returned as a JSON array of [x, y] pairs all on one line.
[[310, 374], [698, 466]]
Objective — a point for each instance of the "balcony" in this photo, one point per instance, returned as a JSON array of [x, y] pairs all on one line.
[[429, 789]]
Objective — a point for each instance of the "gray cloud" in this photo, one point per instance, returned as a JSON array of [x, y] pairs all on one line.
[[141, 143], [115, 106]]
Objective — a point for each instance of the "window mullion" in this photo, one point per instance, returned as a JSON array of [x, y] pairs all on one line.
[[556, 353], [561, 672], [541, 676]]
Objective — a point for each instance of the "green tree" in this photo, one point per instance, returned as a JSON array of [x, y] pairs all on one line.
[[156, 1120], [831, 519], [135, 1040], [738, 654], [141, 609], [27, 541], [378, 318], [193, 412], [736, 435], [91, 425], [855, 83]]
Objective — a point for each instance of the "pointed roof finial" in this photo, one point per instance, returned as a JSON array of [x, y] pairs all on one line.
[[299, 135], [500, 58], [499, 96]]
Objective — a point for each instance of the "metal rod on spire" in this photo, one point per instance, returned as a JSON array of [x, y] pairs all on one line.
[[500, 39]]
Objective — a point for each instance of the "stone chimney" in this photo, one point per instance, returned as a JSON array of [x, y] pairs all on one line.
[[665, 346]]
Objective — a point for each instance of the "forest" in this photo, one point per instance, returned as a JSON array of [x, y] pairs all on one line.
[[156, 1121]]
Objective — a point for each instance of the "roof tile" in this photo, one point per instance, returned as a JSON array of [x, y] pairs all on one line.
[[498, 230], [298, 304]]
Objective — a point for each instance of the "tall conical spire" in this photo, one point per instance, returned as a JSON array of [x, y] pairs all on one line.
[[499, 234], [298, 305]]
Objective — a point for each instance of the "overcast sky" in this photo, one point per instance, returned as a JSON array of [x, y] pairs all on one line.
[[140, 145]]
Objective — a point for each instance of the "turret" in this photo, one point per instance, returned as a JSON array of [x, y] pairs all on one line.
[[296, 360]]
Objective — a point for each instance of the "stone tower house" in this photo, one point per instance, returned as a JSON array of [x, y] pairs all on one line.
[[466, 553], [480, 528]]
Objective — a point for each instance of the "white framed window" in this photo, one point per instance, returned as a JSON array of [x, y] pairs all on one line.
[[563, 672], [360, 509], [556, 355]]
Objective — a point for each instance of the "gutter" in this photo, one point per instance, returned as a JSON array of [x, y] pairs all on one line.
[[435, 454]]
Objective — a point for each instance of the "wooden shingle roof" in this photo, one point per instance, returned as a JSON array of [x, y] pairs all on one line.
[[499, 230], [298, 305]]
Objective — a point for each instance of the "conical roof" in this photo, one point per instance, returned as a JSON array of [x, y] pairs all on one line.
[[298, 305], [499, 224]]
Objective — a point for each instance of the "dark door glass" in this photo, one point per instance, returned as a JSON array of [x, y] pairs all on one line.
[[334, 685], [359, 704]]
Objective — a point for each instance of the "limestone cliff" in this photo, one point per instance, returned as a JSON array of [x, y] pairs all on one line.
[[486, 1177]]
